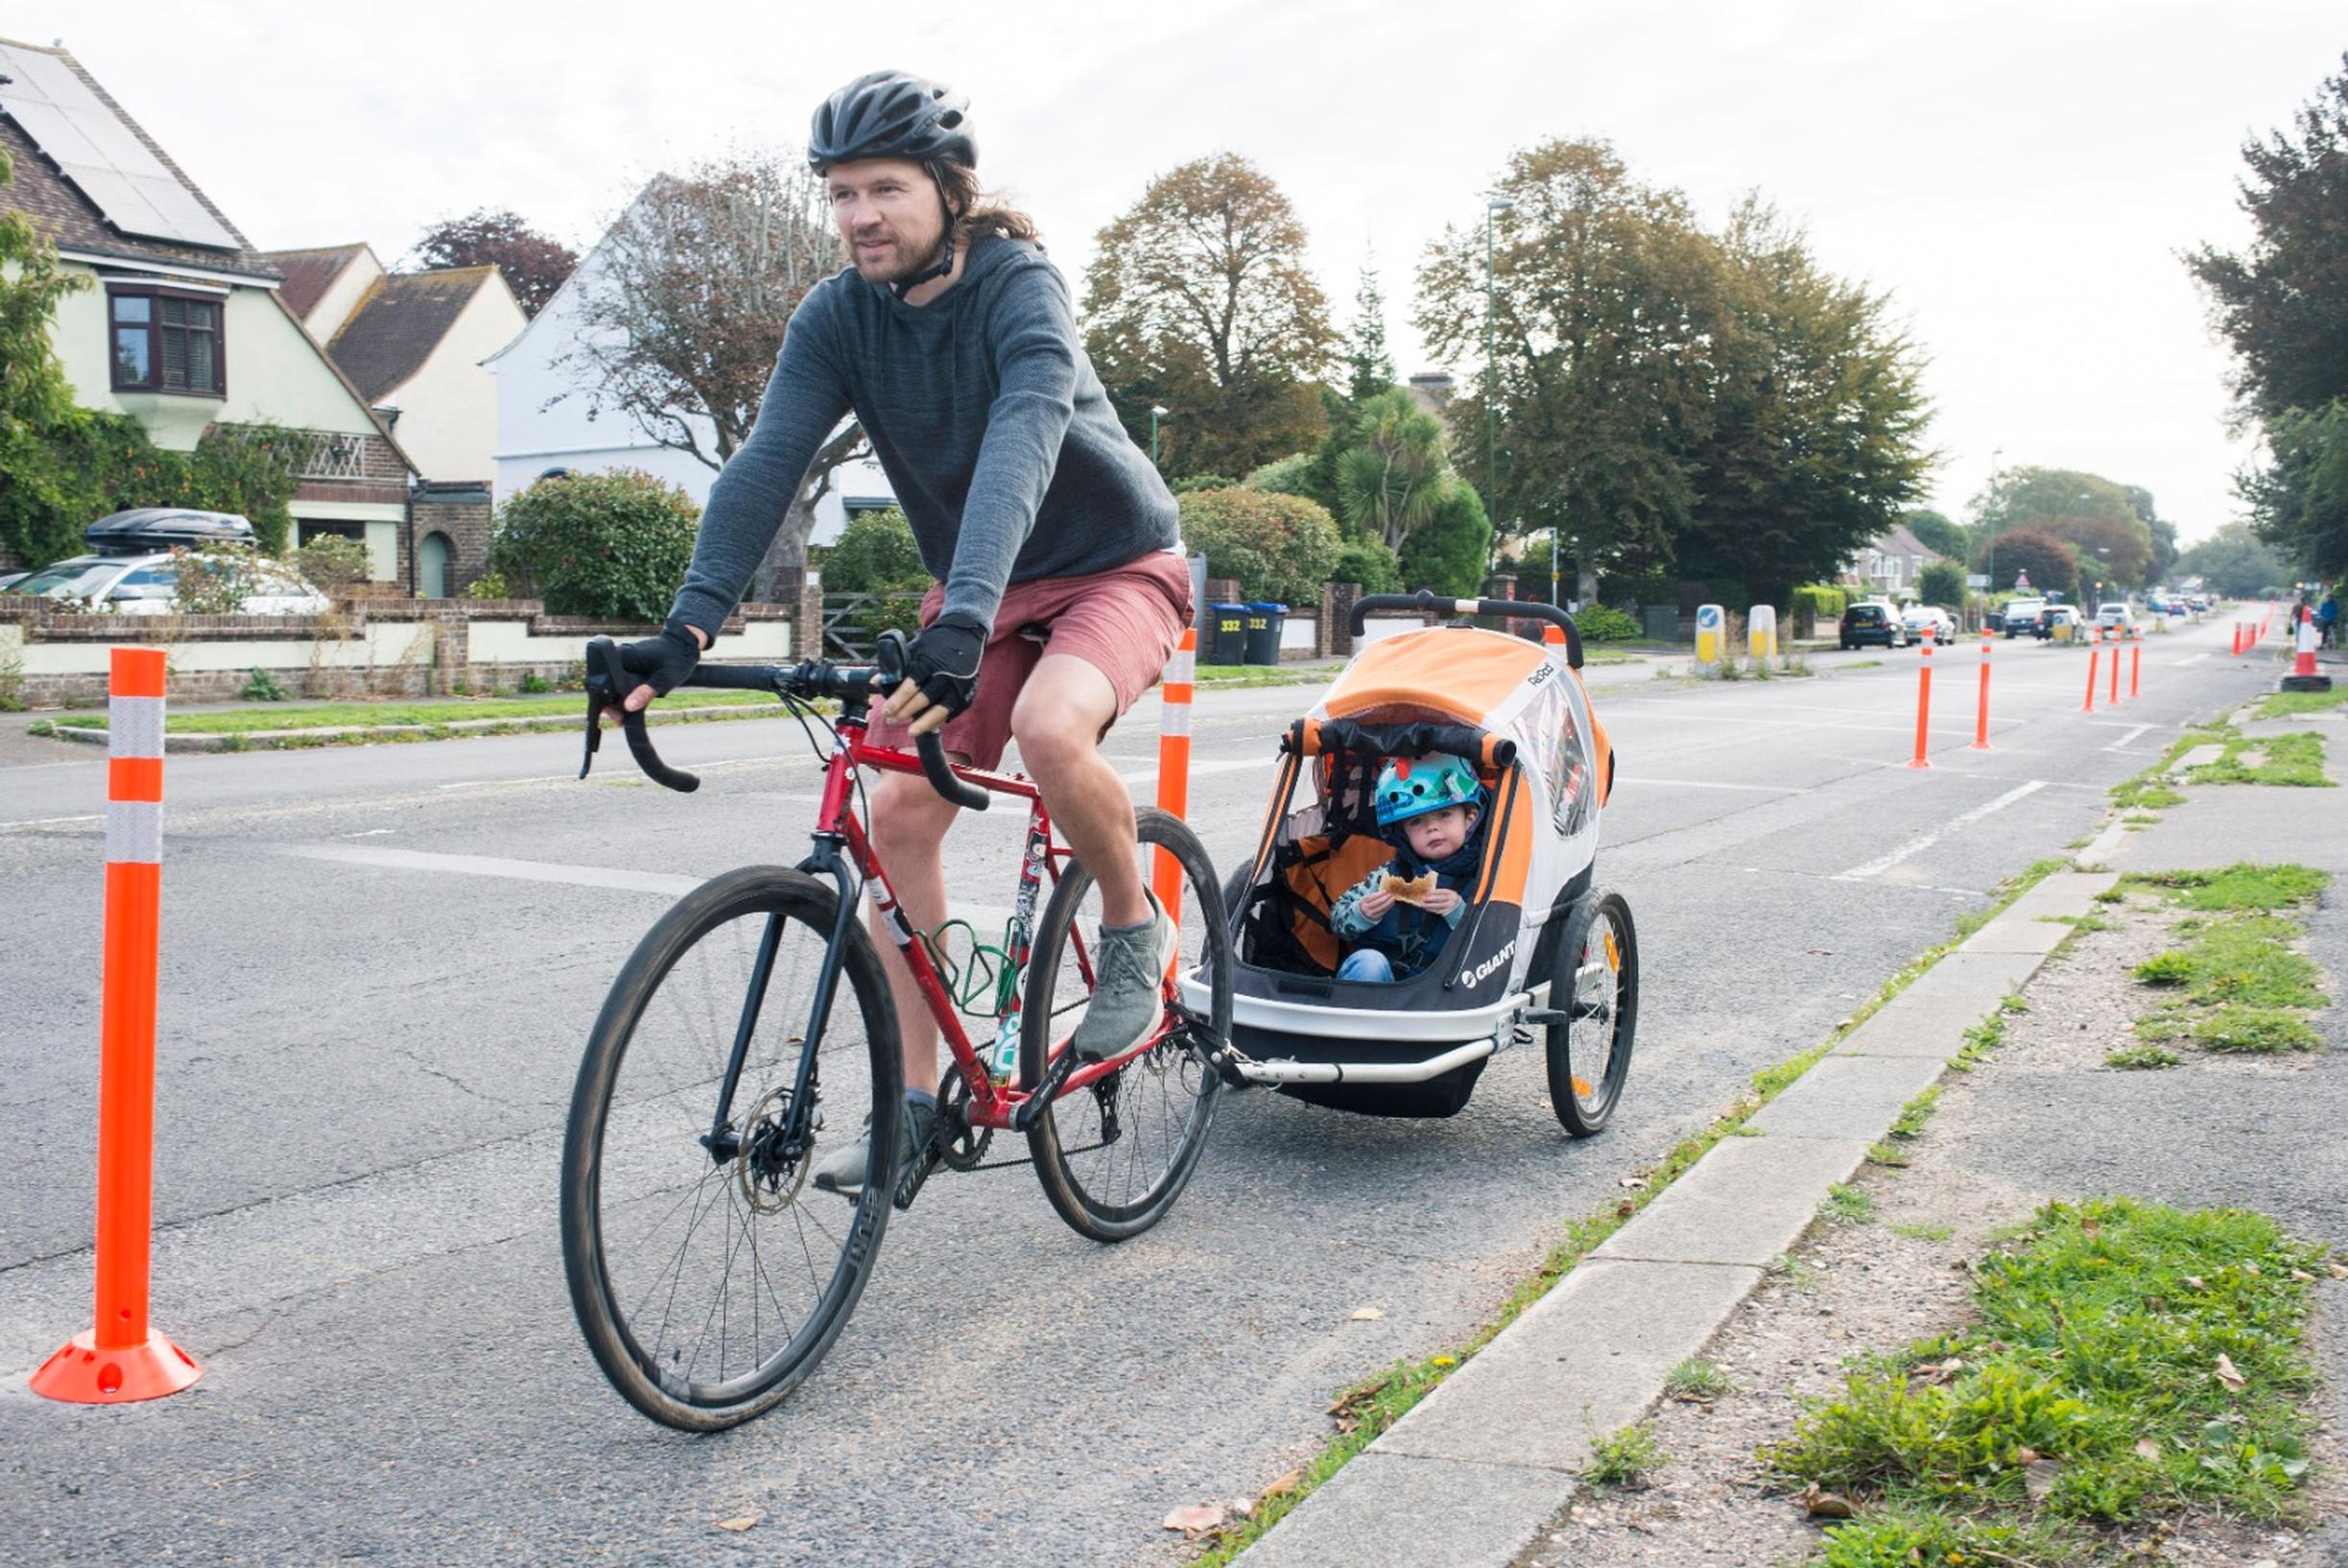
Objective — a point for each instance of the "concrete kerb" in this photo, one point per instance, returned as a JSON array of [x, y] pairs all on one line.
[[1471, 1474], [263, 740]]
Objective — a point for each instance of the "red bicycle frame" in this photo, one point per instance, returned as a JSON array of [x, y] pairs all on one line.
[[991, 1104]]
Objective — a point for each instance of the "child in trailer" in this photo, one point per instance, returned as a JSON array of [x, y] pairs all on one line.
[[1397, 918]]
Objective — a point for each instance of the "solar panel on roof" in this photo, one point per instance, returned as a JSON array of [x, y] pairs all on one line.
[[95, 150]]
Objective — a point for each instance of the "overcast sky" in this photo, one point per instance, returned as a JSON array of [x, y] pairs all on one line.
[[2019, 176]]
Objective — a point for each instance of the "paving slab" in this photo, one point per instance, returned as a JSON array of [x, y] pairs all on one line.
[[1747, 1201], [2064, 892], [1910, 1025], [1963, 976], [1585, 1360], [1847, 1097], [2017, 934], [2200, 756], [1387, 1511], [2264, 822]]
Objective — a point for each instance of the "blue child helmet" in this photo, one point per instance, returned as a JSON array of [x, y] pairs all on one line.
[[1411, 787]]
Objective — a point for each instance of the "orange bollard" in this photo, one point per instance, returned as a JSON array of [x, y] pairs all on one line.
[[1980, 719], [2115, 697], [2237, 640], [1924, 704], [2093, 654], [2136, 666], [1173, 764], [121, 1358]]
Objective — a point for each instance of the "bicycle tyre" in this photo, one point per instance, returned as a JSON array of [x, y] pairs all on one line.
[[686, 940], [1589, 1052], [1062, 1152]]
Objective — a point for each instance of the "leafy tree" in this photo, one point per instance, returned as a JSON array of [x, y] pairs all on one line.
[[686, 305], [534, 265], [1942, 582], [1390, 482], [2282, 302], [1815, 436], [1447, 551], [1606, 295], [1279, 547], [1291, 475], [1372, 368], [875, 552], [2052, 563], [613, 545], [1369, 563], [2302, 497], [2091, 512], [2236, 563], [1936, 531], [2163, 535], [1198, 300]]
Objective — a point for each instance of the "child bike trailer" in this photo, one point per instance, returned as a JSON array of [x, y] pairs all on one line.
[[1538, 954]]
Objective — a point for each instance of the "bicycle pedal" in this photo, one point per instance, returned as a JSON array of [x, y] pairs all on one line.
[[909, 1188]]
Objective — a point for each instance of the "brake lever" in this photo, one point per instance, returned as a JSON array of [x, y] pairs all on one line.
[[609, 685]]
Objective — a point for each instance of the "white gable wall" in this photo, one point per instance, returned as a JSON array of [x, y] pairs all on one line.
[[448, 408], [352, 284]]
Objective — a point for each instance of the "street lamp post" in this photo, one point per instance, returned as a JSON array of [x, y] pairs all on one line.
[[1155, 414], [1989, 567], [1491, 368]]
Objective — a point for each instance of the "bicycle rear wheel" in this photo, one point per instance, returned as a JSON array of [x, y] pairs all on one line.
[[708, 1275], [1113, 1157]]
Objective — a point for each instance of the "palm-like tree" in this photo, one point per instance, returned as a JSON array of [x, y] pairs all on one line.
[[1394, 480]]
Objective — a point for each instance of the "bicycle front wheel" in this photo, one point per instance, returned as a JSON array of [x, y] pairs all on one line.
[[1114, 1155], [708, 1274]]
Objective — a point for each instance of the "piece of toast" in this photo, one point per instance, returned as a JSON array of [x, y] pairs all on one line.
[[1410, 890]]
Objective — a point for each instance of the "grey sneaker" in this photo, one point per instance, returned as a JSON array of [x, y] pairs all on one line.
[[1126, 1001], [843, 1172]]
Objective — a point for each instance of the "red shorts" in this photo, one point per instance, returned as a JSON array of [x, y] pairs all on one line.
[[1124, 622]]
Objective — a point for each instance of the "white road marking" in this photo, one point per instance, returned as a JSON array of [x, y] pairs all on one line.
[[1712, 784], [1199, 770], [596, 778], [2196, 659], [370, 832], [2122, 744], [1923, 842], [49, 822]]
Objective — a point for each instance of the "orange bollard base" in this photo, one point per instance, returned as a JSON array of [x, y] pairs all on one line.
[[82, 1374]]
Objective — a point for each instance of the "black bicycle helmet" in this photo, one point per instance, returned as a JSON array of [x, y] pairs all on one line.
[[892, 114]]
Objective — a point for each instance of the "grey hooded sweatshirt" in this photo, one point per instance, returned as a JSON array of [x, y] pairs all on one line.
[[984, 414]]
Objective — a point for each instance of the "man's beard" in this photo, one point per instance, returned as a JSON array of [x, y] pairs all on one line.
[[896, 267]]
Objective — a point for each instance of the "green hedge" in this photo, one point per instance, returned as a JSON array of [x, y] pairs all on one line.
[[57, 480], [1279, 547], [1600, 623], [1824, 599], [613, 545]]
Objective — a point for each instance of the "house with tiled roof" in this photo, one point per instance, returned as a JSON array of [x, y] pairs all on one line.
[[412, 343], [181, 327], [1887, 565]]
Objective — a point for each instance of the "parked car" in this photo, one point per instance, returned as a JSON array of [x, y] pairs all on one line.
[[9, 579], [2115, 617], [1873, 623], [1915, 618], [132, 570], [2022, 617]]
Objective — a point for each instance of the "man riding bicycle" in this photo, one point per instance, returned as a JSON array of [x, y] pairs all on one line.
[[1052, 538]]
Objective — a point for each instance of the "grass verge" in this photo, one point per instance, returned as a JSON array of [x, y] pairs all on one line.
[[2282, 759], [369, 715], [2240, 986], [1367, 1410], [2297, 704], [2130, 1360]]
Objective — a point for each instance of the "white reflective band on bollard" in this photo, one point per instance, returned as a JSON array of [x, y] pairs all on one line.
[[134, 726], [134, 831], [1173, 718], [1183, 666]]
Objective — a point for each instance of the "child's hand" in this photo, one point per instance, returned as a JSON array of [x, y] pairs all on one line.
[[1441, 901], [1374, 905]]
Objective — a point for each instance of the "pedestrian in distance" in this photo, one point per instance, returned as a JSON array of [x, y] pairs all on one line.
[[1061, 585]]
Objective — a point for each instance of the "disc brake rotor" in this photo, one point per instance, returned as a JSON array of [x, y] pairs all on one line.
[[768, 1179]]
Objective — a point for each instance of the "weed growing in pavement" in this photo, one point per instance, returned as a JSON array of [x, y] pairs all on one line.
[[2242, 886], [1888, 1153], [2130, 1360], [2286, 759], [1904, 1535], [1981, 1040], [1862, 664], [1915, 1113], [1848, 1203], [2013, 1002], [1696, 1382], [2239, 1029], [1915, 1232], [1627, 1457], [2292, 704], [2245, 958], [2081, 922], [2143, 1057]]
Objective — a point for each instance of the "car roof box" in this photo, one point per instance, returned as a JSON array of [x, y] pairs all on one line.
[[143, 529]]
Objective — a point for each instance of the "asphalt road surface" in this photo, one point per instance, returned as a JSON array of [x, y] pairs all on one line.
[[378, 967]]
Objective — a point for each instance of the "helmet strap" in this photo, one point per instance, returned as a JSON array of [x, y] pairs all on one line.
[[944, 263]]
